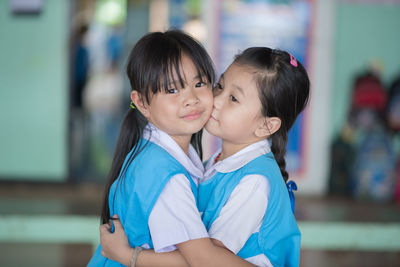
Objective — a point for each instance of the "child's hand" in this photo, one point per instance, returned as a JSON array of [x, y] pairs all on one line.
[[115, 246]]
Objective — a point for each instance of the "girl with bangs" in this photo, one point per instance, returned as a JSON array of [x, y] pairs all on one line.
[[152, 184]]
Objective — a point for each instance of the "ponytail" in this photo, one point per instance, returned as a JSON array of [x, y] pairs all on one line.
[[195, 141], [278, 147], [154, 61], [129, 136]]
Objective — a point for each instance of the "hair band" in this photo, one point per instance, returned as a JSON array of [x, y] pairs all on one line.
[[291, 186], [293, 60]]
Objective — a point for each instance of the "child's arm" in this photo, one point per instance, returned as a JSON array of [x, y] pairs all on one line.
[[115, 246], [198, 252], [239, 218], [203, 252], [242, 214]]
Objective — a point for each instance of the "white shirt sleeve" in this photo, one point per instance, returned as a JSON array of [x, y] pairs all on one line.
[[175, 218], [243, 213]]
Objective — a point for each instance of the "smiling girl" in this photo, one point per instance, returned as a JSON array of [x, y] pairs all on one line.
[[152, 184]]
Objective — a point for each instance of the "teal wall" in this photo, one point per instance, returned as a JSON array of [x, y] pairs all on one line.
[[364, 33], [34, 93], [34, 77]]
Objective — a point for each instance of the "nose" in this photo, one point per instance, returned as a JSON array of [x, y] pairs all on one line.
[[191, 97]]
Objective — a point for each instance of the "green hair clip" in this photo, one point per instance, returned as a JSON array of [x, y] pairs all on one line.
[[132, 105]]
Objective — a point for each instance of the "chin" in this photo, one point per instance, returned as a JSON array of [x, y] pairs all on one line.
[[210, 130], [195, 129]]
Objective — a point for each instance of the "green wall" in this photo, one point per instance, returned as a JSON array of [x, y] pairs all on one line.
[[364, 33], [33, 93]]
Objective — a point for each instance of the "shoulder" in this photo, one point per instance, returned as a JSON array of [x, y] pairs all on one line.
[[154, 163], [177, 190], [179, 181], [262, 162], [265, 166], [253, 184], [153, 154], [254, 179]]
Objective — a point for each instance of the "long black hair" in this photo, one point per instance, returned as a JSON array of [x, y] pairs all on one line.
[[150, 67], [284, 90]]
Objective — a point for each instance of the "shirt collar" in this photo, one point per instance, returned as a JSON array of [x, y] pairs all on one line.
[[237, 160], [191, 163]]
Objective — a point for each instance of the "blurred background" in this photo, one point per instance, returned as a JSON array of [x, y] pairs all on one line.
[[63, 94]]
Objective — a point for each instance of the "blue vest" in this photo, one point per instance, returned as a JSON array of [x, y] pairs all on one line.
[[279, 236], [133, 197]]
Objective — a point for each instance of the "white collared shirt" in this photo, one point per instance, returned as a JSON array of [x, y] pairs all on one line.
[[175, 218], [244, 211]]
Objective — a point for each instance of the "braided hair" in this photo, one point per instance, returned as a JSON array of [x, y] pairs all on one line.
[[283, 88]]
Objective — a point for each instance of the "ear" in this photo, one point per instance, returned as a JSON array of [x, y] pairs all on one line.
[[140, 104], [268, 127]]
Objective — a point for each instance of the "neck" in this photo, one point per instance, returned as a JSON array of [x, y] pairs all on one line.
[[183, 141], [229, 148]]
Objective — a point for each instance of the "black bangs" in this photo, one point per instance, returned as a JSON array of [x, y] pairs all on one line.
[[156, 59], [196, 52], [151, 67]]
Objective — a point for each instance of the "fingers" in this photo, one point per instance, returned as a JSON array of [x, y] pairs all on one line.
[[117, 224], [105, 228]]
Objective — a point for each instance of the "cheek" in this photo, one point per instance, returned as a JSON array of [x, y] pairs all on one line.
[[209, 93], [206, 97], [166, 109], [236, 118], [229, 118]]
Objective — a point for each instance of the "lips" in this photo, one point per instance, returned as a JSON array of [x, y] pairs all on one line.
[[213, 117], [192, 115]]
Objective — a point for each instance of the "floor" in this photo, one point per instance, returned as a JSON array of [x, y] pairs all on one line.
[[53, 199]]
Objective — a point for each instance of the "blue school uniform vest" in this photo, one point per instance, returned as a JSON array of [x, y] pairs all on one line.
[[279, 236], [134, 197]]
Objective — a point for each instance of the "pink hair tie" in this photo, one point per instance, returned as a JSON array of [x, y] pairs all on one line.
[[293, 60]]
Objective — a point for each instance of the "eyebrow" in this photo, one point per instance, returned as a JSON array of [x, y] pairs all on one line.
[[239, 89], [174, 82], [235, 86]]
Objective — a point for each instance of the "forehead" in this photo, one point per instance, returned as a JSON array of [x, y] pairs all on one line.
[[186, 68], [236, 72], [239, 75]]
